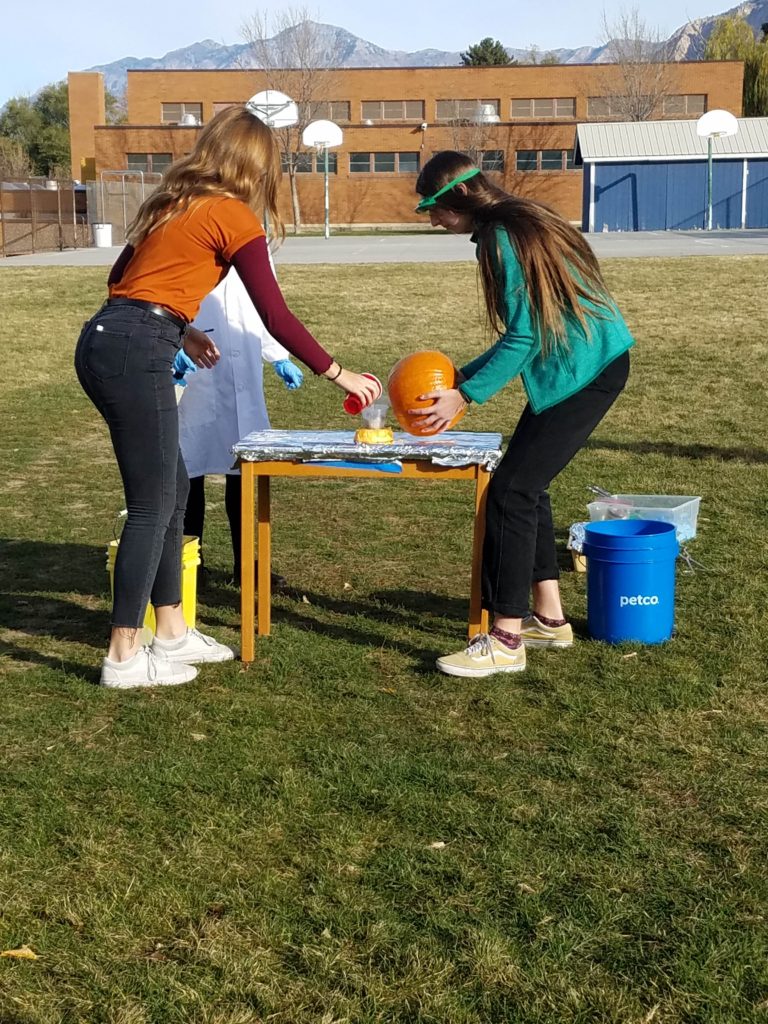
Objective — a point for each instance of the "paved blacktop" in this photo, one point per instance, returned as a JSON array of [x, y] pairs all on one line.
[[439, 247]]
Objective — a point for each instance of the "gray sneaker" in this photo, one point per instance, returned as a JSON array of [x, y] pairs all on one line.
[[144, 669], [193, 648]]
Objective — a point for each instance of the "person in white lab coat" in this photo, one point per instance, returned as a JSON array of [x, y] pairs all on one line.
[[221, 406]]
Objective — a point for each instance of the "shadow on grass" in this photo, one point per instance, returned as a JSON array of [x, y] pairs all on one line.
[[27, 656], [44, 566], [755, 456], [419, 609], [36, 578]]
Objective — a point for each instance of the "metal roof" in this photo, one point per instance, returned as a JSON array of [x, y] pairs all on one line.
[[666, 140]]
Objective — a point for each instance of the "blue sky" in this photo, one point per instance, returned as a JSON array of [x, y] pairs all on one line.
[[43, 41]]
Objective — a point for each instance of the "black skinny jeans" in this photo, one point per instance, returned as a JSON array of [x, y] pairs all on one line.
[[520, 537], [124, 361]]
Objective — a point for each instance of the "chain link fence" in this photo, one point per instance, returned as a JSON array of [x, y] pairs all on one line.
[[114, 200], [41, 214]]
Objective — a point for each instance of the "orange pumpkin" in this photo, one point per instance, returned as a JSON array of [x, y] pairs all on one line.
[[416, 375]]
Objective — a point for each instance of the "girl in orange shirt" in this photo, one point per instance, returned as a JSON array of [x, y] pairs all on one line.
[[199, 222]]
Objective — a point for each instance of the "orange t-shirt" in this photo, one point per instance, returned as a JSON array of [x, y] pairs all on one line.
[[179, 263]]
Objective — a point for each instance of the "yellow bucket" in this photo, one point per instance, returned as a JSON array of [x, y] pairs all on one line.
[[579, 561], [190, 559]]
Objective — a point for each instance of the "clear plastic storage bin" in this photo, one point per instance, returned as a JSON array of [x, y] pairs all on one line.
[[682, 510]]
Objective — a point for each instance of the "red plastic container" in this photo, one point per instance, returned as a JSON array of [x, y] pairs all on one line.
[[352, 403]]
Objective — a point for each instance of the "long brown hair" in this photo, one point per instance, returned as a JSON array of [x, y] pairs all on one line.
[[559, 267], [235, 155]]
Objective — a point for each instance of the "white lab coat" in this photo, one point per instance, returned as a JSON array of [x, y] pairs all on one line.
[[222, 405]]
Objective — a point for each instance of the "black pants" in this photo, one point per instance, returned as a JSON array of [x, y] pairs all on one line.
[[520, 538], [194, 520], [123, 360]]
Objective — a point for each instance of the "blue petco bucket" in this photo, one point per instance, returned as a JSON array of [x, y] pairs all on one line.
[[630, 580]]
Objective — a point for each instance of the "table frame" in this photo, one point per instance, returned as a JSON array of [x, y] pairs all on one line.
[[256, 595]]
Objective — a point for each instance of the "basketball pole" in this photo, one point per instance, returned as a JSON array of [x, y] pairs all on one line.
[[327, 198]]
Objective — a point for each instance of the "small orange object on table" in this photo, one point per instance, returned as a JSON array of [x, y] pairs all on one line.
[[332, 453]]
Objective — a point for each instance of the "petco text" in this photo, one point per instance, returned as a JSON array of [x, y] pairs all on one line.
[[640, 599]]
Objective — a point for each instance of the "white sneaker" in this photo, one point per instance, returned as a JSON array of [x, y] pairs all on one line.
[[192, 649], [144, 669]]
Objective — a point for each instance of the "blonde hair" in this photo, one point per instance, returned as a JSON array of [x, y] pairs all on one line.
[[559, 267], [235, 155]]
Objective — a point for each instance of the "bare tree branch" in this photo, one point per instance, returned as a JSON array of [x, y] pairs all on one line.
[[471, 135], [299, 57], [638, 78]]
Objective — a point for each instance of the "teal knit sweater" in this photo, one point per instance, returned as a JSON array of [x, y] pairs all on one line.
[[566, 370]]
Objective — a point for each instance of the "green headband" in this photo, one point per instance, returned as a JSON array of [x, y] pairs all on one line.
[[429, 201]]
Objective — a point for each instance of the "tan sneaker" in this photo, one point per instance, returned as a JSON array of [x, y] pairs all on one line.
[[485, 656], [534, 633]]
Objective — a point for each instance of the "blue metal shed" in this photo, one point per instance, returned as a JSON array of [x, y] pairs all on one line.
[[652, 176]]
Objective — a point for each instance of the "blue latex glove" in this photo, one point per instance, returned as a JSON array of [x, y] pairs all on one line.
[[289, 373], [182, 364]]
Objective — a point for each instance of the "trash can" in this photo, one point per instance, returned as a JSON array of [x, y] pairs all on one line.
[[102, 235], [190, 559], [631, 580]]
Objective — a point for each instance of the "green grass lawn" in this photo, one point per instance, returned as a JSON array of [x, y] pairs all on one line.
[[338, 833]]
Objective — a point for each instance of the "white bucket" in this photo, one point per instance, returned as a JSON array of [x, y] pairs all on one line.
[[102, 235]]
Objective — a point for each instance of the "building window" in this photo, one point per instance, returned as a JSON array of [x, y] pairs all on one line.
[[492, 160], [464, 110], [311, 163], [525, 160], [408, 163], [392, 110], [544, 160], [329, 110], [689, 105], [383, 163], [551, 160], [599, 107], [540, 107], [150, 163], [175, 113], [218, 107]]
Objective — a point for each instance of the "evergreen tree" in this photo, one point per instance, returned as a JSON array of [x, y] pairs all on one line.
[[487, 53]]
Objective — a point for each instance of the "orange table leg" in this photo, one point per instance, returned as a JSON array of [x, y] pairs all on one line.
[[264, 587], [247, 555], [478, 616]]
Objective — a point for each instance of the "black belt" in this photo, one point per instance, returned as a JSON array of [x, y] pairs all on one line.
[[151, 307]]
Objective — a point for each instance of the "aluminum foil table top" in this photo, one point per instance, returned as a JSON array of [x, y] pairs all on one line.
[[453, 448]]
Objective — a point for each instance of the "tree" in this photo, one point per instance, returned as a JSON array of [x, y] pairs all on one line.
[[299, 58], [732, 38], [640, 78], [473, 134], [535, 56], [14, 160], [116, 108], [486, 54], [41, 127]]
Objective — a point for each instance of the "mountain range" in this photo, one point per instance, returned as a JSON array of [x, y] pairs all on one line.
[[350, 51]]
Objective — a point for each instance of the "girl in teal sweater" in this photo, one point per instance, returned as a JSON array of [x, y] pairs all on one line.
[[561, 332]]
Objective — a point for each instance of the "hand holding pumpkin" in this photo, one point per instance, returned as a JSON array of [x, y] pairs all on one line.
[[446, 408], [421, 377]]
